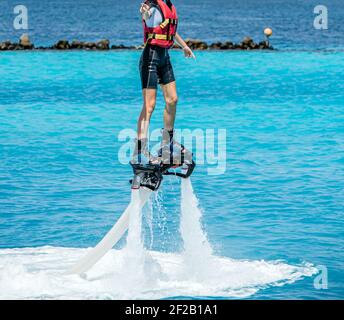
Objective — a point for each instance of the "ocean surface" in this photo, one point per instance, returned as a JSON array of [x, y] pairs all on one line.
[[273, 218], [216, 20]]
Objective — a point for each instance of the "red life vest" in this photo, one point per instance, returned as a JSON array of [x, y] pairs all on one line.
[[163, 35]]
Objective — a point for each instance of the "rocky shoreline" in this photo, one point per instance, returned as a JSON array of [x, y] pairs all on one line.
[[25, 44]]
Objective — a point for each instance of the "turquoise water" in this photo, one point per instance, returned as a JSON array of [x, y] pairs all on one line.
[[281, 197]]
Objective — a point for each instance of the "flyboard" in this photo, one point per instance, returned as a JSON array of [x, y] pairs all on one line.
[[147, 179]]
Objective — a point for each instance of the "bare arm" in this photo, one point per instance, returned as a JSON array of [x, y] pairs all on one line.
[[180, 41], [187, 51]]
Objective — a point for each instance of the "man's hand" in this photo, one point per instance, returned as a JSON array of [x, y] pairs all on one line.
[[188, 53]]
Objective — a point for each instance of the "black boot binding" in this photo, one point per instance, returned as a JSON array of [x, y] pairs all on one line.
[[151, 175], [146, 175]]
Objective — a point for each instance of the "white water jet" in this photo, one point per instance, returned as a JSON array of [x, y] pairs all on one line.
[[198, 254]]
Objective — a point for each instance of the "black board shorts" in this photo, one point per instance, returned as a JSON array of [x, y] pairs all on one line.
[[155, 67]]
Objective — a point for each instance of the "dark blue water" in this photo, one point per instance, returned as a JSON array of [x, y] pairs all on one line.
[[216, 20]]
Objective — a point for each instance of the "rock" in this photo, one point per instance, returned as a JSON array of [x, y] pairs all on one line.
[[196, 44], [264, 45], [247, 41], [24, 42], [103, 44], [123, 47], [5, 45], [227, 45], [246, 44], [237, 46], [76, 44], [216, 46], [255, 46], [203, 46], [62, 45], [12, 46], [90, 46], [18, 46]]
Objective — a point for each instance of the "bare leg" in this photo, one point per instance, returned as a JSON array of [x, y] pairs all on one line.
[[170, 94], [149, 101]]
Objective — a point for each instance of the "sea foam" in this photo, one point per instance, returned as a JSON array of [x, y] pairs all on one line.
[[137, 273], [37, 273]]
